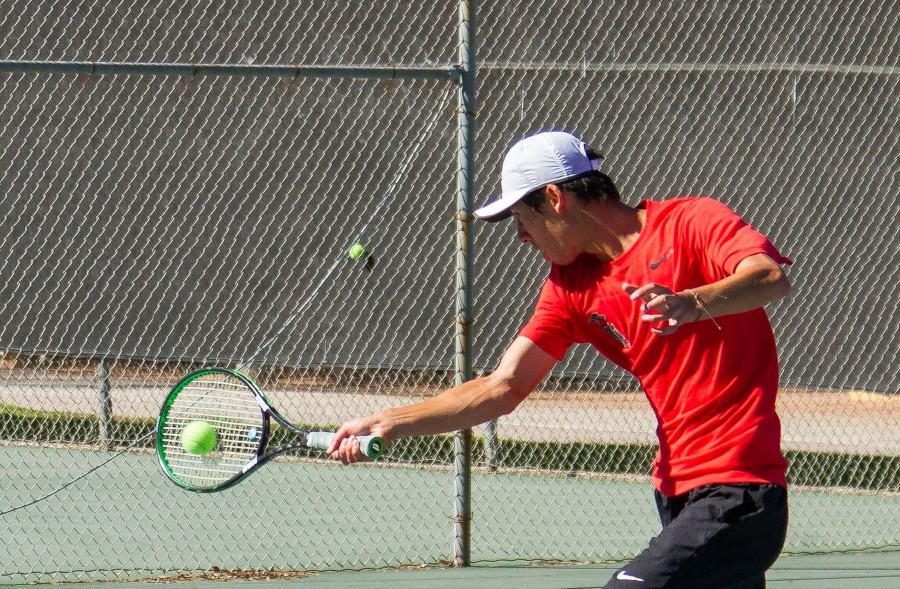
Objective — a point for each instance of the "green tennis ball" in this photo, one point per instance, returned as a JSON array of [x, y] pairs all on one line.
[[356, 251], [198, 438]]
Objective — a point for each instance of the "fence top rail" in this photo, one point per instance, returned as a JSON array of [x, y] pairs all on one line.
[[445, 72], [679, 67], [450, 72]]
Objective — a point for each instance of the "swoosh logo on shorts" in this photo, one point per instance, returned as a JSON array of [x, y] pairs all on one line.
[[623, 576]]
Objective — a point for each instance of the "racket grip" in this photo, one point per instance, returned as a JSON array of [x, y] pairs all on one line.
[[371, 446]]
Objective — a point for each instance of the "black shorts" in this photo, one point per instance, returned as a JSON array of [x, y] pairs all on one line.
[[714, 536]]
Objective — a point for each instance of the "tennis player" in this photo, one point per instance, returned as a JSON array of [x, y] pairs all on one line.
[[671, 291]]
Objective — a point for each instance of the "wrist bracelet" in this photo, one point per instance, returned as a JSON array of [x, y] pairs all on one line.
[[701, 309]]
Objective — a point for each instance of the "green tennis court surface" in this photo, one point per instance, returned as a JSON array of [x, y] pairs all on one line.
[[840, 571], [117, 524]]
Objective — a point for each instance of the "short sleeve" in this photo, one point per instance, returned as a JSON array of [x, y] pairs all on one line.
[[550, 327], [724, 238]]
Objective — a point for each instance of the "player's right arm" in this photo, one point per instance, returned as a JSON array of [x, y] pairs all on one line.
[[479, 400]]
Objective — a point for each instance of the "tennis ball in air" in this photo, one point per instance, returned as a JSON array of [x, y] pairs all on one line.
[[198, 438], [356, 251]]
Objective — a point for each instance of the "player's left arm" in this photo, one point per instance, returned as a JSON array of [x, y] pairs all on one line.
[[756, 281]]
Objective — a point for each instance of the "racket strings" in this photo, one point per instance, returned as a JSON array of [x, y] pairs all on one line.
[[230, 407]]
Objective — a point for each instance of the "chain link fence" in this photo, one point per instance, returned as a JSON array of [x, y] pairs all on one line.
[[788, 113], [156, 223]]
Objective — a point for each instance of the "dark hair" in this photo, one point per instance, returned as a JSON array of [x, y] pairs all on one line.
[[591, 186]]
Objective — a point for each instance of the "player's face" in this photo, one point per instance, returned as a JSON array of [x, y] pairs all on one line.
[[544, 231]]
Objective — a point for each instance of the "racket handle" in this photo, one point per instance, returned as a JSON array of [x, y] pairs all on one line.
[[371, 446]]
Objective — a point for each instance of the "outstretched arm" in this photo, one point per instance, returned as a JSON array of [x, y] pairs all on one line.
[[482, 399]]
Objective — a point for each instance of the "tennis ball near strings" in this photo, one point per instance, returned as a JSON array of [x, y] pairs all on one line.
[[198, 438], [356, 251]]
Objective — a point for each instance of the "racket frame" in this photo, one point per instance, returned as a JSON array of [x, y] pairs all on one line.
[[267, 411]]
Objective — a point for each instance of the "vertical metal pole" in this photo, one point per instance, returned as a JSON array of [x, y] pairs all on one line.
[[462, 484], [105, 409], [491, 443]]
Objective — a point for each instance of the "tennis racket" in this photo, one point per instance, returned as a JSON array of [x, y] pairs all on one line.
[[233, 405]]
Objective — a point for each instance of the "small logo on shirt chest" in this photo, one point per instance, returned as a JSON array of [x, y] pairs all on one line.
[[600, 321], [662, 259]]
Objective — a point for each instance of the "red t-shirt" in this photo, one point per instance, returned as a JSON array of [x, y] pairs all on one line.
[[713, 391]]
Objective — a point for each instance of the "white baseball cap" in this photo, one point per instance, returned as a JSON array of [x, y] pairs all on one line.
[[534, 162]]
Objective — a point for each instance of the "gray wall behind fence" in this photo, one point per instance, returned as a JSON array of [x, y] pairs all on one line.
[[170, 217]]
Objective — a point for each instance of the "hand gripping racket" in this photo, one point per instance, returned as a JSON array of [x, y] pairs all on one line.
[[229, 403]]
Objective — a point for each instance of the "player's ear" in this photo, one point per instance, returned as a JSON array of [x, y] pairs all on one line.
[[555, 198]]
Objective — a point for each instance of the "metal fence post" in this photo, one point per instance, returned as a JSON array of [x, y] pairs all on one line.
[[491, 445], [463, 357], [105, 409]]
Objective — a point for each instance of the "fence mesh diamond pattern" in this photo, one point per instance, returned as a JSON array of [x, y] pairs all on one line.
[[156, 223]]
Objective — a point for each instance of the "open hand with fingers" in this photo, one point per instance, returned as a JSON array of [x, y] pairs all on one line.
[[662, 305]]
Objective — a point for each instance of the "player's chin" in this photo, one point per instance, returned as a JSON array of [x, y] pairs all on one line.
[[559, 260], [547, 256]]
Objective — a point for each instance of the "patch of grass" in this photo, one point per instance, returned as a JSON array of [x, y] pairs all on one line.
[[59, 427], [829, 469]]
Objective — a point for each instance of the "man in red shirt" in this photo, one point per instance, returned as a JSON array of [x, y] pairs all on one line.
[[672, 292]]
